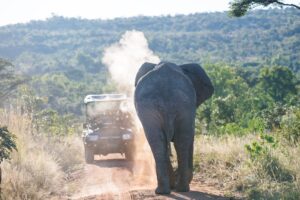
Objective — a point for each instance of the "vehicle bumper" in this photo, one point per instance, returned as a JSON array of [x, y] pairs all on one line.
[[104, 146]]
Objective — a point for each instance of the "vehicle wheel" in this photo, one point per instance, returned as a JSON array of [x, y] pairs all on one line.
[[89, 155]]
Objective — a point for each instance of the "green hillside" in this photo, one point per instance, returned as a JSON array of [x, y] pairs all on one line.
[[262, 37], [63, 55]]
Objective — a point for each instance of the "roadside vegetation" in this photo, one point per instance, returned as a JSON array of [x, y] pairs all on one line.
[[248, 167], [248, 141], [39, 148], [42, 165]]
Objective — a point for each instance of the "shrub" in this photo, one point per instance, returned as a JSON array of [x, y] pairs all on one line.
[[290, 126], [7, 143], [232, 129], [261, 155], [272, 116], [265, 169]]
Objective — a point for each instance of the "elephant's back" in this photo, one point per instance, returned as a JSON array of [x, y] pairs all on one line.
[[165, 86]]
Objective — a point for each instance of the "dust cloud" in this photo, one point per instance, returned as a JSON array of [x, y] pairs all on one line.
[[123, 60]]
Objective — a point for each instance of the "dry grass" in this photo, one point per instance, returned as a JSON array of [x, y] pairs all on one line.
[[224, 163], [220, 160], [40, 167]]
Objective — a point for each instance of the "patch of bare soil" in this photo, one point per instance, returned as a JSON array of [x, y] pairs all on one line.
[[112, 177]]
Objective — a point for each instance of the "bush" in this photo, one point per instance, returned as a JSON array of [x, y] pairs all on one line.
[[290, 126], [267, 169], [50, 122], [7, 143], [232, 129], [268, 166]]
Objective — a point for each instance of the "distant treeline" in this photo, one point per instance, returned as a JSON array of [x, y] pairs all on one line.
[[264, 37]]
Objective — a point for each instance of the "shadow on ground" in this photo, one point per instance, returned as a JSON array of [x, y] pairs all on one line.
[[113, 163], [149, 194]]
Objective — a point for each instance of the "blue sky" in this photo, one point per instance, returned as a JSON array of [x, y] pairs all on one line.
[[16, 11]]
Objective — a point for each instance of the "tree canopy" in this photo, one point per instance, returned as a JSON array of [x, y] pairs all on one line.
[[239, 8], [9, 80]]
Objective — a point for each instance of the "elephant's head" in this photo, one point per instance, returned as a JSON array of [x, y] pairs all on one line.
[[201, 82]]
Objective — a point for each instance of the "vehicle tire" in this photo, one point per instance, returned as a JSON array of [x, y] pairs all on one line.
[[89, 155]]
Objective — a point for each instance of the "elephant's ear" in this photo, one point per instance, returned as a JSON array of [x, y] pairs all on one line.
[[144, 69], [202, 84]]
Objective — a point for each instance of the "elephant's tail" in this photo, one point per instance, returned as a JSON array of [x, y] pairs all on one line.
[[169, 130]]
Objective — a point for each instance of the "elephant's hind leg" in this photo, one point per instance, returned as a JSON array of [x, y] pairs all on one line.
[[182, 183], [184, 148], [172, 175], [162, 165], [159, 148]]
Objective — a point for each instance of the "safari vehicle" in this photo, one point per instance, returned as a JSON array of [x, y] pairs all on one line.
[[107, 127]]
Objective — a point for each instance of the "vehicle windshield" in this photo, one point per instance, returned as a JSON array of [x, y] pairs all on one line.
[[97, 108]]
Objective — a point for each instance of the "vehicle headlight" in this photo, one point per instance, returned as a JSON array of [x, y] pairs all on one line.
[[126, 136], [92, 137]]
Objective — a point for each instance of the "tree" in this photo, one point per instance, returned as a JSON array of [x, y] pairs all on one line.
[[7, 145], [278, 82], [239, 8], [9, 80]]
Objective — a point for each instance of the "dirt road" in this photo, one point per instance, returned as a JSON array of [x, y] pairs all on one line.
[[112, 177]]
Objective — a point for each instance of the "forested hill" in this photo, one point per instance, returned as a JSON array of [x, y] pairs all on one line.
[[264, 37], [63, 55]]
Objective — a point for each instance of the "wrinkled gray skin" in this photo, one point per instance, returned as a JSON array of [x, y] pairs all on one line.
[[166, 98]]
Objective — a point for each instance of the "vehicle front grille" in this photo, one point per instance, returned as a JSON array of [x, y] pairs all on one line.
[[111, 132]]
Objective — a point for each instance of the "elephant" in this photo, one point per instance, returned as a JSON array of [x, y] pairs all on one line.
[[166, 97]]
